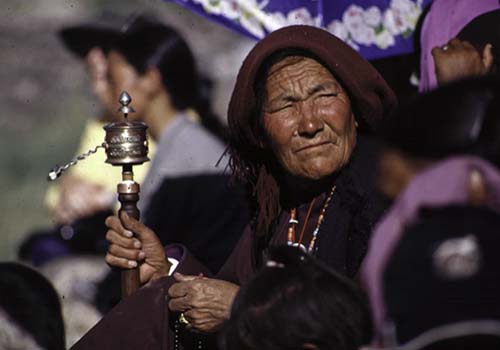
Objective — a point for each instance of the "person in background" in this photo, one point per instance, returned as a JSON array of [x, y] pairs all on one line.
[[441, 25], [30, 311], [431, 271], [86, 190], [185, 196], [76, 279], [81, 199], [474, 52], [297, 302]]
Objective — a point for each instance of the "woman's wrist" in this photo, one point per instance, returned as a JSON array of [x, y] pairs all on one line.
[[163, 270]]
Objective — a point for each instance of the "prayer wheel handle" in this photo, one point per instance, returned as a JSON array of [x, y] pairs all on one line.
[[128, 196]]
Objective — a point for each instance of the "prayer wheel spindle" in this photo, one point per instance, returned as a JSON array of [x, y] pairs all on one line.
[[126, 145]]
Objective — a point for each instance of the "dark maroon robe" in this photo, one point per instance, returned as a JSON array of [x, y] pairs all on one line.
[[142, 321]]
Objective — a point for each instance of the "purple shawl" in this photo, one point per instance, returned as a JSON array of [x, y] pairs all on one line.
[[442, 23], [440, 185]]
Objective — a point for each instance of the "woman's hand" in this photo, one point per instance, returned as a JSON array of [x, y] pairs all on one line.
[[79, 198], [127, 252], [205, 302], [459, 59]]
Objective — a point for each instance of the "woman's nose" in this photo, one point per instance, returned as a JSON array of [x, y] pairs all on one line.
[[310, 122]]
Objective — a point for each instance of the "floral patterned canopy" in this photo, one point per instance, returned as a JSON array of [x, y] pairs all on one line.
[[375, 28]]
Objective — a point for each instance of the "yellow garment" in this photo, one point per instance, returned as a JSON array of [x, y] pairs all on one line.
[[94, 169]]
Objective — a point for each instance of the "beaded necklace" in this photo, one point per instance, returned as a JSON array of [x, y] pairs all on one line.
[[294, 221], [177, 338]]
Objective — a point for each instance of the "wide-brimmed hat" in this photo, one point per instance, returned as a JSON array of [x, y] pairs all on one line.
[[460, 118], [482, 30], [104, 33], [445, 271]]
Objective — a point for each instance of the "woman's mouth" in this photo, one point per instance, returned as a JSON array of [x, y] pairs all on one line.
[[314, 146]]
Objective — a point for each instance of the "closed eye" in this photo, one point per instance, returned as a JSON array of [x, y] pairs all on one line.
[[281, 108], [285, 103], [332, 94]]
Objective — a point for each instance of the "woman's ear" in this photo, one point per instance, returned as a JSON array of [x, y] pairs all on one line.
[[476, 188], [488, 58], [151, 81]]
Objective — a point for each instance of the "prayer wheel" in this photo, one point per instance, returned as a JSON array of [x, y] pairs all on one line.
[[126, 145]]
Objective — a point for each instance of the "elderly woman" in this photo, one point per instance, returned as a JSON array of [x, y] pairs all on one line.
[[302, 103]]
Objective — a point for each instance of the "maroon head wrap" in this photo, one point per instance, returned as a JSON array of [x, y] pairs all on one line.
[[371, 99]]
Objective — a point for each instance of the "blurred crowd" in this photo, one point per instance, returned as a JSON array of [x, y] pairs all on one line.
[[340, 207]]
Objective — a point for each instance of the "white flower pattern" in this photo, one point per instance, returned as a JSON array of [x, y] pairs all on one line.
[[356, 27], [384, 39], [301, 16], [372, 16], [230, 9], [338, 29]]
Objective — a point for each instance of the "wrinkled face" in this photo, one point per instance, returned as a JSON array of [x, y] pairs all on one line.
[[308, 118], [122, 76]]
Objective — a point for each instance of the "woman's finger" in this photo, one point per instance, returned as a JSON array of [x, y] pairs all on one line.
[[114, 237], [200, 321], [437, 51], [114, 223], [179, 304], [115, 261], [197, 316], [178, 290], [142, 232], [130, 254], [179, 277], [455, 43]]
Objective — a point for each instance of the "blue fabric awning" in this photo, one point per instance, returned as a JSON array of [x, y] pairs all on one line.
[[375, 28]]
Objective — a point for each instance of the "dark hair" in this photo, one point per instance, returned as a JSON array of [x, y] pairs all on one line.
[[148, 43], [297, 300], [32, 303], [482, 30]]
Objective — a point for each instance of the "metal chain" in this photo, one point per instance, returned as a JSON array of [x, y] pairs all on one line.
[[58, 170]]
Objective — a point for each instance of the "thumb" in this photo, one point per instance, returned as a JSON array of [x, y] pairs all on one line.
[[141, 231], [179, 277]]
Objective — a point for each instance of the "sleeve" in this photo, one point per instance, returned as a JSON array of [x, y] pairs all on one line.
[[137, 322], [141, 321]]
